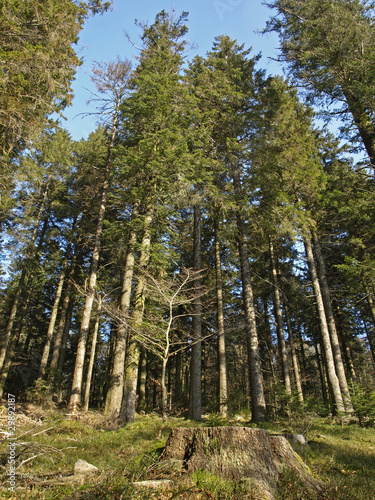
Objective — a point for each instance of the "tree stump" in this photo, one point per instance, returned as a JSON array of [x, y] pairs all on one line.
[[238, 453]]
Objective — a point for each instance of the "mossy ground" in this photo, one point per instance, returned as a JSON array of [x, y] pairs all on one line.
[[48, 445]]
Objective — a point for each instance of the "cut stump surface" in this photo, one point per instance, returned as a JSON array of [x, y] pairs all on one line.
[[238, 453]]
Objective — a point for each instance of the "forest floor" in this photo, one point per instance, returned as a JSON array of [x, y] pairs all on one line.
[[48, 444]]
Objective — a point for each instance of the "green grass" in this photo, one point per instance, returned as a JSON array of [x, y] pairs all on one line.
[[342, 456]]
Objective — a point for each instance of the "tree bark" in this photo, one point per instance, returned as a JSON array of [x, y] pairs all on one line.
[[142, 377], [86, 399], [339, 365], [223, 386], [296, 369], [258, 404], [75, 394], [195, 402], [279, 322], [237, 453], [116, 384], [128, 407], [330, 363]]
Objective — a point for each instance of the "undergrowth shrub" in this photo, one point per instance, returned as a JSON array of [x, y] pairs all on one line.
[[363, 399]]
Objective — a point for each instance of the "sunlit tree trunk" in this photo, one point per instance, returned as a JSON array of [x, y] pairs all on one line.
[[340, 370], [75, 394], [56, 350], [116, 384], [129, 400], [92, 354], [111, 81], [296, 369], [142, 377], [328, 354]]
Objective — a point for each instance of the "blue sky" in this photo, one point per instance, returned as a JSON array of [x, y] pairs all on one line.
[[103, 39]]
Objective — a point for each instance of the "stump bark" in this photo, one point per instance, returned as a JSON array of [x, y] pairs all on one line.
[[238, 453]]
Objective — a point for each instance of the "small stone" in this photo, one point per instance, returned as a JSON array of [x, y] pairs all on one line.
[[82, 468], [297, 438], [161, 483], [300, 438]]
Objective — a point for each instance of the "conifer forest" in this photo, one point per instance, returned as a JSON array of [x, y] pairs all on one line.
[[210, 247]]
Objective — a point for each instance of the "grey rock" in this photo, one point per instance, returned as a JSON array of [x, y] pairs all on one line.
[[82, 468]]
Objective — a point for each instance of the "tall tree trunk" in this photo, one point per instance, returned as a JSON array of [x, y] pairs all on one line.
[[340, 370], [330, 363], [195, 402], [116, 383], [297, 373], [65, 322], [129, 400], [269, 353], [223, 387], [56, 350], [279, 322], [75, 394], [258, 403], [92, 355], [321, 371]]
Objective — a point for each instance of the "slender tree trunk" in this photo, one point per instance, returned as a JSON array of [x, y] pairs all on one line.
[[92, 355], [178, 380], [279, 322], [269, 353], [58, 373], [116, 384], [370, 331], [370, 338], [75, 395], [60, 333], [52, 322], [223, 387], [297, 373], [371, 304], [258, 404], [323, 380], [11, 350], [340, 370], [195, 404], [142, 377], [330, 363], [129, 400]]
